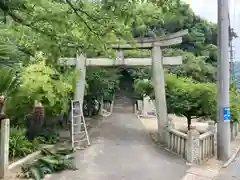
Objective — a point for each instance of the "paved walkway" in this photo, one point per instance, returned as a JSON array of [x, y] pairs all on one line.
[[121, 150], [232, 172]]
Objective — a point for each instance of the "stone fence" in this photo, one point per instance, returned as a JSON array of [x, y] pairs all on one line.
[[193, 146]]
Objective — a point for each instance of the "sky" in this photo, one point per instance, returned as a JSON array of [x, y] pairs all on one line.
[[207, 9]]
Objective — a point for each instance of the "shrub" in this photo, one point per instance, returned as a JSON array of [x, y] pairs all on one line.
[[42, 83], [189, 98], [19, 145]]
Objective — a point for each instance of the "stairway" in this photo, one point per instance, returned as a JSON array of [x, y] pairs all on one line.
[[123, 103]]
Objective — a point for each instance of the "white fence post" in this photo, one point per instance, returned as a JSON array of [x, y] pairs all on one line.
[[4, 153]]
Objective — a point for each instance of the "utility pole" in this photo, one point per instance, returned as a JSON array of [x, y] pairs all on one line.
[[223, 110]]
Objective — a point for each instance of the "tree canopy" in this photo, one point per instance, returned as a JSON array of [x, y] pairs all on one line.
[[62, 27]]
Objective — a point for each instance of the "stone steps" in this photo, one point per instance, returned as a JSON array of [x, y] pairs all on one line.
[[122, 103]]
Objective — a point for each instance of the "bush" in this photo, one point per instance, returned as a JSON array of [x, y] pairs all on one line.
[[189, 98], [43, 83], [19, 145]]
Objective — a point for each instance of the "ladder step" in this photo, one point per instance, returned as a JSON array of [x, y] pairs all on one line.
[[78, 124], [80, 140], [76, 108], [77, 116], [78, 133]]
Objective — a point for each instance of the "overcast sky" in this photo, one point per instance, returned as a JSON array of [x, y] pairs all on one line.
[[208, 10]]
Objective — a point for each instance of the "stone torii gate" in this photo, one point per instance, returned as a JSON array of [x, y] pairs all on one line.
[[156, 61]]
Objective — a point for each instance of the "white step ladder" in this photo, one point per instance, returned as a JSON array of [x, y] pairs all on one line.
[[79, 131]]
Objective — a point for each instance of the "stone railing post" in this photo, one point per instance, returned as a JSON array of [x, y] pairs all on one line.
[[140, 107], [193, 146], [4, 152], [212, 128], [170, 125]]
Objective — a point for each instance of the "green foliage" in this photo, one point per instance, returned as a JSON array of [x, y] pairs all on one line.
[[62, 27], [42, 83], [9, 81], [51, 162], [102, 81], [143, 88], [190, 98], [193, 66], [19, 145], [234, 106]]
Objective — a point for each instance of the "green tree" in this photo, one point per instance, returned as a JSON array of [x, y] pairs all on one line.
[[190, 99]]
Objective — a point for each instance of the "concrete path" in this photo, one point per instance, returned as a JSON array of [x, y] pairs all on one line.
[[121, 150], [232, 172]]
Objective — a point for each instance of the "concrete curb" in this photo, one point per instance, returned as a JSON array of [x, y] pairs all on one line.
[[232, 158], [30, 157]]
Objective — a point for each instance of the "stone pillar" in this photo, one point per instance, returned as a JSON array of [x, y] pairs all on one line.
[[212, 128], [193, 146], [140, 106], [80, 84], [146, 106], [171, 125], [4, 153], [159, 89]]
